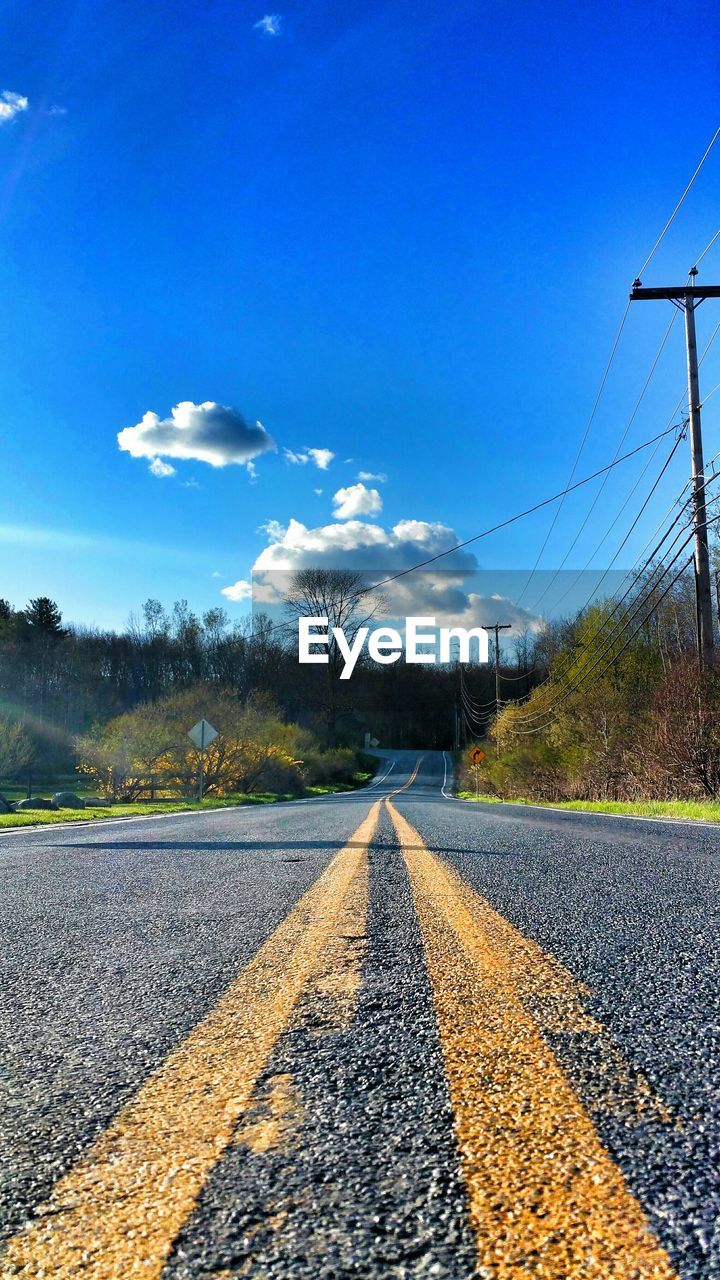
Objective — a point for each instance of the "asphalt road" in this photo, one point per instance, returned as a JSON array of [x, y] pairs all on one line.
[[381, 1034]]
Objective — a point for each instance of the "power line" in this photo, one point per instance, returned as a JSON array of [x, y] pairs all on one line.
[[708, 246], [622, 625], [649, 587], [521, 515], [630, 531], [578, 455], [635, 486], [623, 438], [277, 628], [552, 710], [679, 205], [613, 351]]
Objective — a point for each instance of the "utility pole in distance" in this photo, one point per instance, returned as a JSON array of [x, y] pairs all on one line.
[[687, 297], [497, 627]]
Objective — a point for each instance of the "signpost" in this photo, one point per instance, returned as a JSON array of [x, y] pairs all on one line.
[[202, 734], [476, 755]]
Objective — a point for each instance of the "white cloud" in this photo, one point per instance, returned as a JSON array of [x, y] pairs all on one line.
[[317, 491], [356, 500], [356, 544], [57, 110], [11, 105], [207, 432], [321, 457], [161, 469], [451, 591], [270, 25], [241, 590], [370, 477]]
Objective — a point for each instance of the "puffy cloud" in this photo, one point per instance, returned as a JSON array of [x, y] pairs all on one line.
[[11, 105], [208, 432], [455, 591], [356, 500], [370, 477], [270, 24], [356, 544], [161, 469], [241, 590], [321, 457]]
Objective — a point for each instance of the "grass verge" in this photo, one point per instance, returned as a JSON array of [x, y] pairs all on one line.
[[44, 817], [701, 810]]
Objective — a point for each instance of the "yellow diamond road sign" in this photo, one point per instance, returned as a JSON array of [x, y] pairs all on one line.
[[476, 755]]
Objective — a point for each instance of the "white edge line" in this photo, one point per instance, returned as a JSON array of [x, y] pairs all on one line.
[[375, 781], [444, 792], [30, 829]]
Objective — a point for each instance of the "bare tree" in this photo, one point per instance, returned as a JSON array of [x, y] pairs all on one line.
[[345, 598]]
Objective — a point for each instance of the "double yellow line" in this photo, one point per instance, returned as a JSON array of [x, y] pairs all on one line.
[[544, 1196], [117, 1213]]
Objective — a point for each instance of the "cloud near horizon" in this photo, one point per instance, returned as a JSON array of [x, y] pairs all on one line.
[[357, 544], [241, 590], [208, 432], [11, 105], [448, 591]]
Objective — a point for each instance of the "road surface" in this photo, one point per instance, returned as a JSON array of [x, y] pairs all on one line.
[[381, 1034]]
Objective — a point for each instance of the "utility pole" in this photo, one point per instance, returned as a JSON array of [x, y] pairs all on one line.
[[687, 298], [497, 627]]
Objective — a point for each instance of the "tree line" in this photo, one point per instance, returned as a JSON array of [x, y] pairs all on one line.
[[610, 703]]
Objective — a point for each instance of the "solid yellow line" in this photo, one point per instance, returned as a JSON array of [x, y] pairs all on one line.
[[409, 782], [117, 1212], [544, 1196]]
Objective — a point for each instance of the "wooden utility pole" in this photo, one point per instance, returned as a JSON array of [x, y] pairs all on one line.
[[687, 298], [497, 627]]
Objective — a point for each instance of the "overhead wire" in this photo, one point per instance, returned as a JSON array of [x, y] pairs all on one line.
[[551, 711], [276, 628], [682, 430], [578, 455], [639, 603], [679, 205], [614, 348], [604, 481]]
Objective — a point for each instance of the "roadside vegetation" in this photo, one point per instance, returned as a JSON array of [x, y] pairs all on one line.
[[706, 811], [62, 730], [622, 719], [608, 707]]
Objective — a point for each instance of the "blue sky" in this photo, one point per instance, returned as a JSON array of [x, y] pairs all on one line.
[[401, 233]]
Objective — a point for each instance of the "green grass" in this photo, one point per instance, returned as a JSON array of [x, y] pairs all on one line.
[[39, 817], [702, 810]]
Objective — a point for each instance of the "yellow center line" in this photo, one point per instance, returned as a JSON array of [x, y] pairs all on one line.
[[409, 782], [545, 1198], [116, 1213]]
